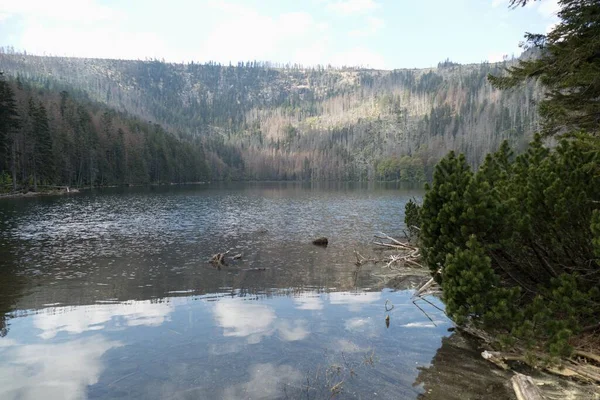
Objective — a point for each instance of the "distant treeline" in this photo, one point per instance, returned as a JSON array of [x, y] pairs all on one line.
[[49, 138], [257, 122]]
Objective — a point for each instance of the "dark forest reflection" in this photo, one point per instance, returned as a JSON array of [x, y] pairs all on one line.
[[458, 372]]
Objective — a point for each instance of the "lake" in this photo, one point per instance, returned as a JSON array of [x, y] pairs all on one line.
[[109, 294]]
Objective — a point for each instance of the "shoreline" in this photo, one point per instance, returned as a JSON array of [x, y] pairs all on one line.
[[66, 190], [29, 194]]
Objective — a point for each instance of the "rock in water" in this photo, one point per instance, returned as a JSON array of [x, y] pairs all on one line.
[[322, 241]]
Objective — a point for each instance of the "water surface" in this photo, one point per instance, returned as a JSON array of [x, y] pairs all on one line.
[[108, 295]]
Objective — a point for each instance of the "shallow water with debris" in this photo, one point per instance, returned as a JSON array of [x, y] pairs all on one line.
[[108, 294]]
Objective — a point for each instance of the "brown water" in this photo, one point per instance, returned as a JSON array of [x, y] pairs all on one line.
[[108, 295]]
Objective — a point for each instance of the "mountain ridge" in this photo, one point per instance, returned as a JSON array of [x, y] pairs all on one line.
[[258, 122]]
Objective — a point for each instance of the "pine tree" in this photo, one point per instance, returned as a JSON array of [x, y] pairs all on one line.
[[568, 67], [442, 207], [9, 122], [518, 241], [40, 145], [514, 241], [472, 288], [45, 156]]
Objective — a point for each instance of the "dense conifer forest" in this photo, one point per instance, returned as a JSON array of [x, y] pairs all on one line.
[[51, 138]]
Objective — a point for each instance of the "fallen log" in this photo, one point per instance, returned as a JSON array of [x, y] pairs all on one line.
[[499, 358], [394, 243], [588, 372], [579, 371], [430, 286], [423, 289], [588, 355], [393, 246], [525, 388]]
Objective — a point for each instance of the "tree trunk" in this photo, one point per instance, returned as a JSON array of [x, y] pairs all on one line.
[[524, 388], [90, 170], [13, 165]]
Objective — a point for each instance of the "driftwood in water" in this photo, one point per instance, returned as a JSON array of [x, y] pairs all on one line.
[[321, 241], [218, 259], [409, 253], [360, 259], [525, 388], [585, 367], [430, 287]]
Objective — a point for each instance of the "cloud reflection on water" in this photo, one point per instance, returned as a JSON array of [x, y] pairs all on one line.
[[354, 300], [75, 320], [290, 332], [244, 319], [267, 381], [51, 371], [240, 318], [308, 301]]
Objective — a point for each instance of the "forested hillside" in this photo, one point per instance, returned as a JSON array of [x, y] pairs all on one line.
[[49, 138], [256, 121]]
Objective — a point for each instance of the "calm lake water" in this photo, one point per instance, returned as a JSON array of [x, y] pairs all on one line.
[[109, 295]]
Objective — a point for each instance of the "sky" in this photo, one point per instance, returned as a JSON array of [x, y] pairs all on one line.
[[384, 34]]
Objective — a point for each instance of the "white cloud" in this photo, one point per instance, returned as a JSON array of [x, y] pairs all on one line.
[[88, 28], [52, 371], [63, 10], [89, 318], [496, 57], [372, 27], [221, 349], [294, 24], [347, 7], [293, 332], [357, 324], [252, 321], [348, 346], [354, 301], [551, 27], [314, 53], [548, 8], [420, 324], [71, 40], [7, 342], [308, 301], [254, 36], [244, 319], [367, 327], [354, 298], [267, 381]]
